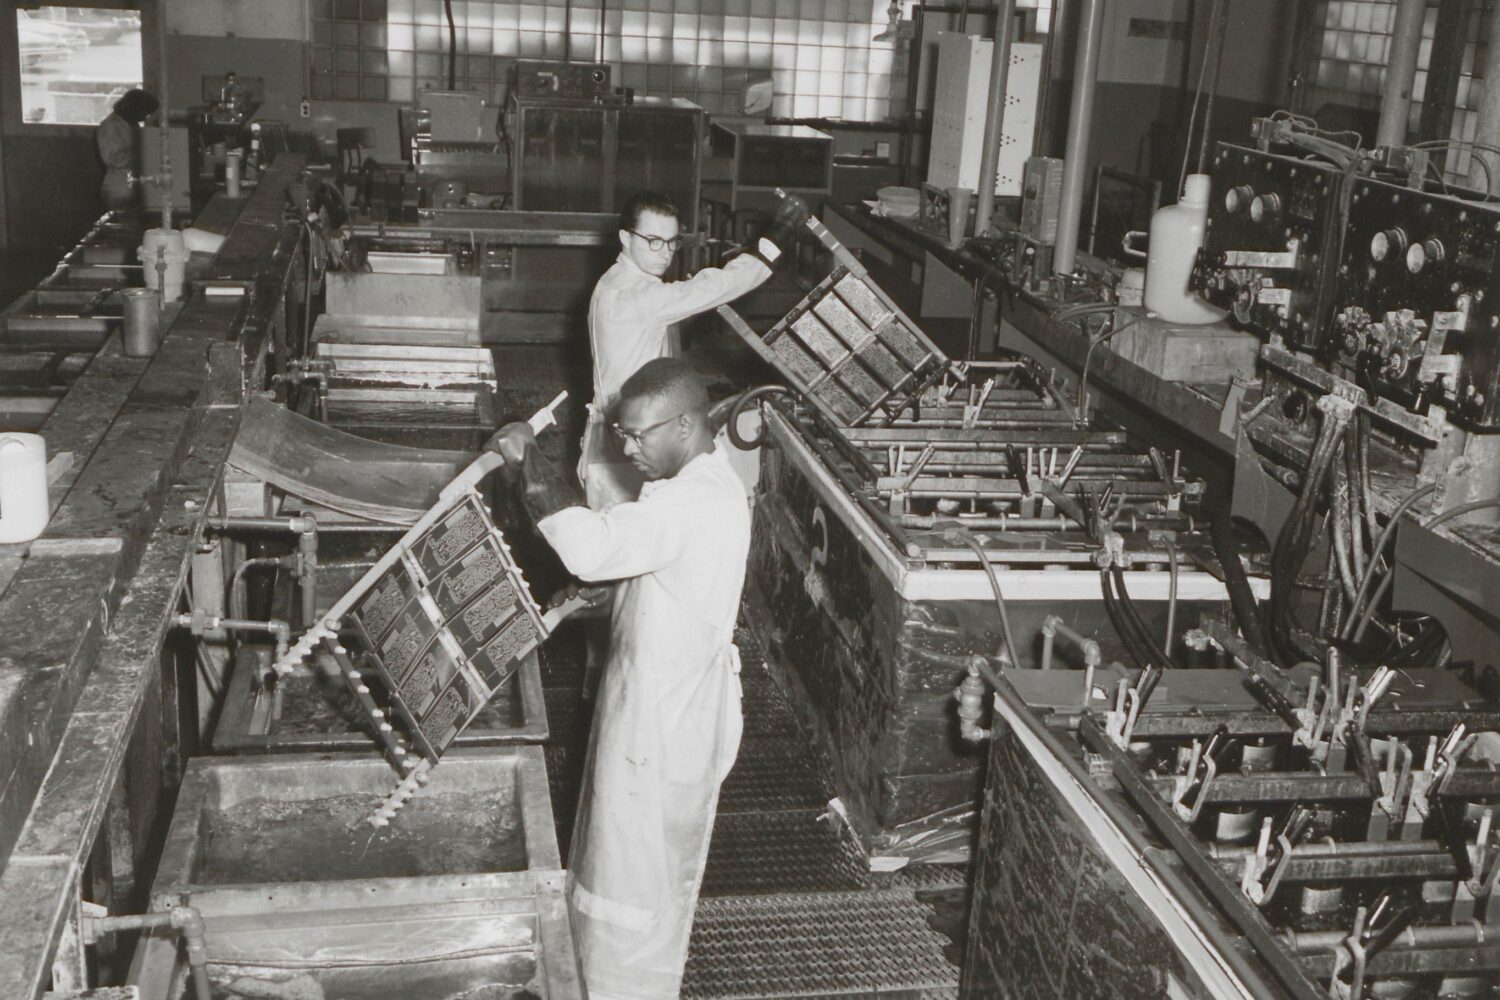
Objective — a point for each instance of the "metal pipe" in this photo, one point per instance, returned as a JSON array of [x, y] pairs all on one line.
[[200, 622], [1052, 627], [1080, 121], [185, 919], [292, 524], [164, 174], [994, 120], [1401, 72]]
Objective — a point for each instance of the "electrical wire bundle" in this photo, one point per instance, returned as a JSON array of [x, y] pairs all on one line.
[[1286, 639]]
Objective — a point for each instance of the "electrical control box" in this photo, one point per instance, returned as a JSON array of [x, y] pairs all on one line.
[[963, 84], [1271, 242], [543, 80], [1414, 314], [1041, 199]]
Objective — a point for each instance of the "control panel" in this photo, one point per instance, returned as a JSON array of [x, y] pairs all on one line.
[[545, 80], [1414, 318], [1270, 242]]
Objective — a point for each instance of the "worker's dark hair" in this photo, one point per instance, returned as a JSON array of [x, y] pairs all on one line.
[[644, 201], [668, 378], [136, 105]]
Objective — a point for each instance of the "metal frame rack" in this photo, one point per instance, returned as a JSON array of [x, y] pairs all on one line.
[[1321, 832]]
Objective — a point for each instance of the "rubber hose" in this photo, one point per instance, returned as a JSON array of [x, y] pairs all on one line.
[[732, 426]]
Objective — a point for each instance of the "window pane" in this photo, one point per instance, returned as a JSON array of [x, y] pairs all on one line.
[[76, 62]]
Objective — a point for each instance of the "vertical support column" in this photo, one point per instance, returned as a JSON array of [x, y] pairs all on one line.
[[1080, 120], [1488, 130], [994, 117], [70, 971], [1448, 38], [1401, 71]]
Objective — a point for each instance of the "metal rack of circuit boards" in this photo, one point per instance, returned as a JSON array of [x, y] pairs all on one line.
[[433, 630], [1325, 831]]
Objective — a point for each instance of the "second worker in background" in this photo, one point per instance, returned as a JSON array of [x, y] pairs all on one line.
[[632, 309]]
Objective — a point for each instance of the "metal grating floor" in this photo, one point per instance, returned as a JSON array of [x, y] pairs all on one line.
[[815, 944], [789, 907]]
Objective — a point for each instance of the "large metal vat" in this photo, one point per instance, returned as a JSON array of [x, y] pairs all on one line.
[[461, 896]]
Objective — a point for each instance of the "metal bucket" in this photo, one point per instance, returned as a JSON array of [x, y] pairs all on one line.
[[142, 322]]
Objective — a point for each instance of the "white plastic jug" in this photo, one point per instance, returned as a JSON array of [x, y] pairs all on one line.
[[1176, 235], [165, 245], [23, 487]]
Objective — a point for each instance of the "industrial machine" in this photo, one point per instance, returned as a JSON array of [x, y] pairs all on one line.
[[1272, 241], [1414, 315], [577, 147], [454, 148], [917, 512], [765, 159]]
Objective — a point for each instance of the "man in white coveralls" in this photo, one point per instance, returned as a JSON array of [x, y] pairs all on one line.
[[668, 721]]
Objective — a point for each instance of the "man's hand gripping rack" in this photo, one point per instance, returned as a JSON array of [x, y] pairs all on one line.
[[435, 627]]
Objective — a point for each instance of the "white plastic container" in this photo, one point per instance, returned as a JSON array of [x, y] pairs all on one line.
[[176, 254], [1176, 236], [23, 487]]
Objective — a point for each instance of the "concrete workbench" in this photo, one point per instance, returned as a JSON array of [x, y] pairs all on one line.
[[84, 616]]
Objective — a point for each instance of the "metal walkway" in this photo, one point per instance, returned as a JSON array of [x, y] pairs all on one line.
[[789, 908]]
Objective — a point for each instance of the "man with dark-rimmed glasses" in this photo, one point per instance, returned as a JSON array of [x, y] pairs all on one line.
[[632, 309]]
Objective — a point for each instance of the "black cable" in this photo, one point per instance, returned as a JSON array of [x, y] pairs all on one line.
[[1117, 622], [1241, 598], [1133, 617]]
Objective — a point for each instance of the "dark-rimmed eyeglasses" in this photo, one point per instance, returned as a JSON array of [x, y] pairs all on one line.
[[657, 242], [639, 436]]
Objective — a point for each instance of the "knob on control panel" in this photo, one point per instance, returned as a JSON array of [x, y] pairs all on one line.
[[1388, 244], [1237, 199], [1265, 207], [1419, 255]]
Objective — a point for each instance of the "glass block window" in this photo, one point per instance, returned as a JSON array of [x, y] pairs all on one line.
[[1356, 48], [821, 54]]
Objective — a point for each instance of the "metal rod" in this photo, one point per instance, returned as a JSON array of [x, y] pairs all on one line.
[[1214, 50], [994, 117], [1400, 73], [1080, 121], [1413, 937], [1332, 849]]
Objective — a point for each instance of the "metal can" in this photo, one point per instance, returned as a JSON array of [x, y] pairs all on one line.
[[142, 322]]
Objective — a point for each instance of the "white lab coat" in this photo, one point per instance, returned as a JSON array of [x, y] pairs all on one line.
[[667, 726], [629, 316], [115, 139]]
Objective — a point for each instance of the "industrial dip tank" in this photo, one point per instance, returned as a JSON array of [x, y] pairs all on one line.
[[882, 484], [300, 898]]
